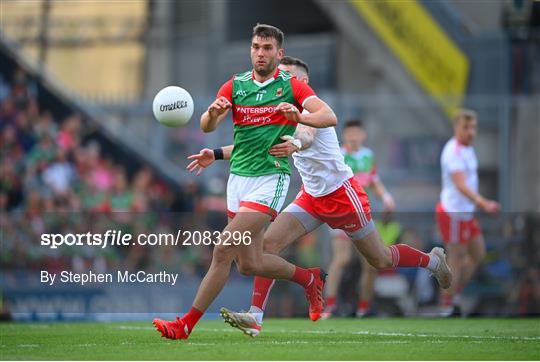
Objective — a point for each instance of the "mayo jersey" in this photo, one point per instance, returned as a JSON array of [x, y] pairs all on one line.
[[362, 163], [257, 125], [458, 158], [321, 166]]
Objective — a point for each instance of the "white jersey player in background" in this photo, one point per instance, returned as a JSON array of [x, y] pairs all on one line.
[[330, 195], [455, 211]]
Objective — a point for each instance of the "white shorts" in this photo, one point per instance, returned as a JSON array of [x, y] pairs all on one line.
[[262, 193]]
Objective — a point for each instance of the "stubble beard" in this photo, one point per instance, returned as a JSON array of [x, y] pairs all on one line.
[[266, 71]]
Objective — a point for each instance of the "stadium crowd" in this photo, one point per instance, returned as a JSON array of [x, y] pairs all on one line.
[[56, 178]]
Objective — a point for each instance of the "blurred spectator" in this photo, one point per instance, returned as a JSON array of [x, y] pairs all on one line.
[[529, 292], [59, 175]]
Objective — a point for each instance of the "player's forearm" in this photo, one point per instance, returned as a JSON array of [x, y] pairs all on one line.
[[323, 118], [227, 151], [475, 197], [210, 123], [459, 180], [379, 188]]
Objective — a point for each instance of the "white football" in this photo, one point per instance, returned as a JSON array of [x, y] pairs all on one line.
[[173, 106]]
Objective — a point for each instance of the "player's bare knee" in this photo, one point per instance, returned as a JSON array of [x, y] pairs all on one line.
[[247, 267], [222, 254]]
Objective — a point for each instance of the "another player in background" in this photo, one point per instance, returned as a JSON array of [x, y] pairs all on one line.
[[361, 160], [330, 194], [266, 105], [455, 212]]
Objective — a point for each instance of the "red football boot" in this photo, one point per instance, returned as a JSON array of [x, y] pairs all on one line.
[[176, 329], [314, 293]]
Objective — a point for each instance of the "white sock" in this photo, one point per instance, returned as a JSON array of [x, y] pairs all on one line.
[[433, 262], [258, 313]]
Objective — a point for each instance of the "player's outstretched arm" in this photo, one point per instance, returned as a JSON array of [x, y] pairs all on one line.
[[206, 157], [488, 206], [381, 191], [320, 114], [217, 111]]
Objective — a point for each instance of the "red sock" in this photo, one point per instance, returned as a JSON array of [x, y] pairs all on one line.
[[363, 305], [404, 255], [331, 301], [302, 276], [192, 317], [261, 290]]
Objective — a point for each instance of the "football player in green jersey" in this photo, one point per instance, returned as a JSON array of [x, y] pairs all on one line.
[[266, 104]]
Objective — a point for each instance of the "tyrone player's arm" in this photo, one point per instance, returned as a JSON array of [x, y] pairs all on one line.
[[302, 139], [320, 114], [306, 135], [489, 206]]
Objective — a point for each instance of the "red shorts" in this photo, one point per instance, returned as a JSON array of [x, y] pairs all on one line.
[[454, 230], [347, 208]]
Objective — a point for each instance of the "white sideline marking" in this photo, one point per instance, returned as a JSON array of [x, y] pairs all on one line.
[[136, 328], [382, 334], [397, 334], [295, 342], [28, 345], [86, 345]]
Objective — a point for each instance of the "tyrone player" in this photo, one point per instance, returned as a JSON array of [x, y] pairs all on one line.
[[330, 194], [361, 160], [455, 212], [266, 104]]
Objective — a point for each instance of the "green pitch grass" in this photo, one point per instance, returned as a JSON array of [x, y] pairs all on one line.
[[281, 339]]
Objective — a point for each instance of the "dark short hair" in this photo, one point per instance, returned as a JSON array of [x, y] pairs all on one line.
[[353, 123], [286, 60], [269, 31]]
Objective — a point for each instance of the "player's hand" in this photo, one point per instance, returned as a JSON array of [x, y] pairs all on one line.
[[289, 111], [388, 202], [489, 206], [219, 106], [284, 149], [201, 161]]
